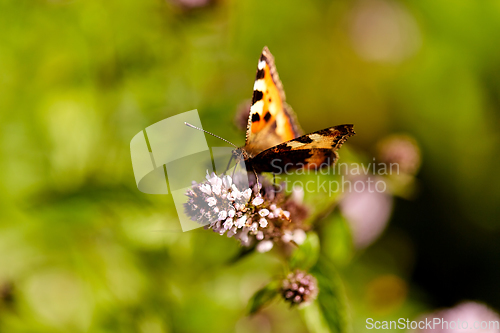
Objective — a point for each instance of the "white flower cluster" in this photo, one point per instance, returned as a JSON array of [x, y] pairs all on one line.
[[224, 207]]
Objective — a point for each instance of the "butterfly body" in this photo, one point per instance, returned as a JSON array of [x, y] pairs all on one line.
[[274, 140]]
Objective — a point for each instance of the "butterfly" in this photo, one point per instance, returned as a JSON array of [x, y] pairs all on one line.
[[274, 140]]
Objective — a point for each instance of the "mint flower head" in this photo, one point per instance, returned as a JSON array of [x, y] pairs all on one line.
[[299, 288], [401, 153], [250, 212]]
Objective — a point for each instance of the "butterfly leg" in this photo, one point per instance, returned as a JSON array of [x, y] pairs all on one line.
[[256, 179], [234, 169], [228, 164]]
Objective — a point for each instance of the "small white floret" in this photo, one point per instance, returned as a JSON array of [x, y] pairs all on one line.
[[263, 212], [264, 246]]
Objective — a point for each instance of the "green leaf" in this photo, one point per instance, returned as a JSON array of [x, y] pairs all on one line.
[[331, 298], [337, 240], [307, 254], [263, 297]]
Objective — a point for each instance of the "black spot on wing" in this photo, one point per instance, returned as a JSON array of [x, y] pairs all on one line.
[[263, 57], [255, 117], [304, 139], [267, 116], [325, 132], [280, 148], [257, 96], [260, 74]]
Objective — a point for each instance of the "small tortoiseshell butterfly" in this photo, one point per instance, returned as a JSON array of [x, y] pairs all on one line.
[[274, 140]]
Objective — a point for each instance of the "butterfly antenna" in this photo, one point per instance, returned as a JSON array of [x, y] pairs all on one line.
[[218, 137]]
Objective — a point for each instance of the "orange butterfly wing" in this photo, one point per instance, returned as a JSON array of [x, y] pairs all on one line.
[[271, 120]]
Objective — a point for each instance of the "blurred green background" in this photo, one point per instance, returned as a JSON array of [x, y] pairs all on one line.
[[82, 250]]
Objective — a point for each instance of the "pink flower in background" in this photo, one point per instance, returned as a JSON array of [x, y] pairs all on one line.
[[402, 151], [367, 211], [383, 31], [191, 4]]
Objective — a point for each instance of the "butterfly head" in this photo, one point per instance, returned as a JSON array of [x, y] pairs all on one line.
[[240, 154]]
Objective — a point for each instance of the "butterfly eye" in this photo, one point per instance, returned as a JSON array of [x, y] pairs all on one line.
[[238, 153]]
